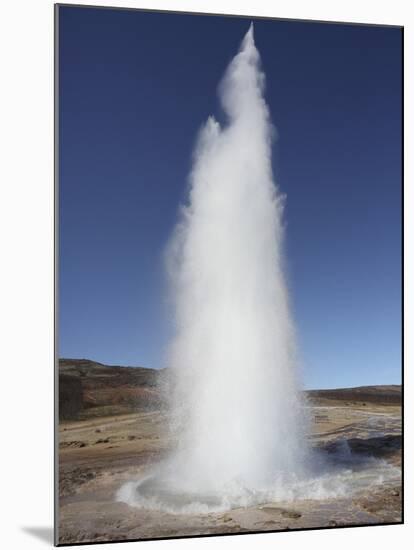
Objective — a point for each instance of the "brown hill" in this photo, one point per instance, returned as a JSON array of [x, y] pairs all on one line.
[[88, 388], [381, 395]]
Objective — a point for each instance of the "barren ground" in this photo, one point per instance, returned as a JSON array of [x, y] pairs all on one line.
[[98, 454]]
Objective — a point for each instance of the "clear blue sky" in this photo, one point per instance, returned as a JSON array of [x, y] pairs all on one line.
[[135, 88]]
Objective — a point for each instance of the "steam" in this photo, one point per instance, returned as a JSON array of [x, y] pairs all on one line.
[[236, 401]]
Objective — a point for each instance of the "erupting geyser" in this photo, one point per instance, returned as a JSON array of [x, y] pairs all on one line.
[[236, 406], [233, 356]]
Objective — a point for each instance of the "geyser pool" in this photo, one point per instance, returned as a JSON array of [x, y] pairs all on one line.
[[236, 410]]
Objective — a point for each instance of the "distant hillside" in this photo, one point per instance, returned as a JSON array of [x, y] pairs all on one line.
[[390, 394], [88, 388]]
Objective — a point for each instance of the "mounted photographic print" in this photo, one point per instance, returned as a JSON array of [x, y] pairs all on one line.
[[229, 203]]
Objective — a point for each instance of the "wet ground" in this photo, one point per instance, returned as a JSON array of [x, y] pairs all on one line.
[[100, 455]]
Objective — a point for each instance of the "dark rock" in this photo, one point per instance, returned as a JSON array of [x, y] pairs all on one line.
[[291, 514], [70, 397]]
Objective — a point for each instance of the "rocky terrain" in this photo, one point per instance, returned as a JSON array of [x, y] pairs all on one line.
[[112, 429], [384, 395], [88, 388]]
